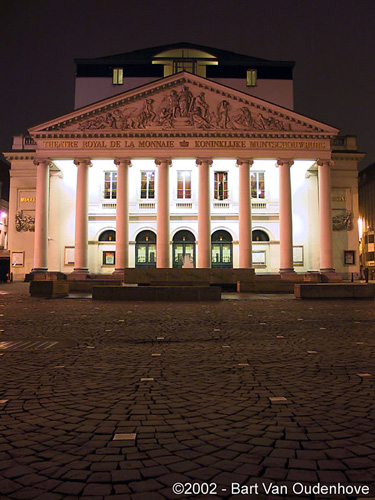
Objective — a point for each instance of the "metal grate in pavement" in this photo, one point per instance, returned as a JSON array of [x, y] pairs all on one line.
[[23, 346]]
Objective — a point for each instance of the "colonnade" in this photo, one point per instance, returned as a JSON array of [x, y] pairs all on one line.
[[163, 217]]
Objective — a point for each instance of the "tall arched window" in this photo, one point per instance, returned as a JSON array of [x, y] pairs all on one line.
[[184, 249], [221, 249], [145, 249]]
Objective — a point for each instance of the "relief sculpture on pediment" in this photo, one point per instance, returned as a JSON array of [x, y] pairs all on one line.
[[183, 110]]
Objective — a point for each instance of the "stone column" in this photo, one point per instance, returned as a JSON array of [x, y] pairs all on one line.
[[82, 216], [122, 215], [244, 214], [163, 237], [54, 214], [286, 225], [325, 214], [41, 216], [204, 213]]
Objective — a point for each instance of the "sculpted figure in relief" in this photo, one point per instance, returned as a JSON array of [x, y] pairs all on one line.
[[270, 122], [147, 114], [24, 222], [185, 101], [342, 221], [243, 120], [174, 105], [223, 109]]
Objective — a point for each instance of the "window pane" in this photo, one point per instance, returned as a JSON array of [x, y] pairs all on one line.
[[215, 253], [221, 185], [188, 185], [260, 185], [151, 184], [257, 185], [141, 253], [152, 253], [226, 253]]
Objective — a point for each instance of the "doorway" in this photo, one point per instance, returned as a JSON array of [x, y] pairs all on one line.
[[183, 249], [145, 249], [221, 249]]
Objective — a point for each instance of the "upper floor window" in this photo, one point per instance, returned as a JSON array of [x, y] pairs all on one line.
[[185, 65], [108, 235], [147, 185], [118, 76], [251, 77], [221, 185], [257, 185], [183, 184], [110, 185]]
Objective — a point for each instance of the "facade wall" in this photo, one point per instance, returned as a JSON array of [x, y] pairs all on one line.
[[224, 214], [89, 90]]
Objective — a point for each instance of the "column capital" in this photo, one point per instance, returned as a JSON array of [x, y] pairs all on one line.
[[86, 161], [327, 162], [283, 161], [159, 161], [127, 161], [39, 161], [200, 161], [240, 161]]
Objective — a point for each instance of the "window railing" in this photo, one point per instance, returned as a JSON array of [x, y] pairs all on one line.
[[220, 205], [109, 206], [256, 205], [146, 206], [185, 206]]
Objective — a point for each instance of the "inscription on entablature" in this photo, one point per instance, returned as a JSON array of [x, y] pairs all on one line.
[[171, 144]]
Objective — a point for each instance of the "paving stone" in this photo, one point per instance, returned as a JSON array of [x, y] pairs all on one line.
[[302, 475], [331, 476], [202, 418], [125, 476], [70, 488], [145, 486], [97, 489]]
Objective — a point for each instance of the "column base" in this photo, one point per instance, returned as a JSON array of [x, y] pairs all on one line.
[[38, 274], [80, 273], [288, 270], [330, 275], [119, 271]]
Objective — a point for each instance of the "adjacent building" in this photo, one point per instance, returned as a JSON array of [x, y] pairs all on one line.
[[183, 156], [366, 221]]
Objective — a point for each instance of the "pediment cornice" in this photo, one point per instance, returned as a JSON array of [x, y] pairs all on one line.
[[183, 105]]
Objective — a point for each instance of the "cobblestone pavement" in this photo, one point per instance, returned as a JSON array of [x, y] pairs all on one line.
[[190, 386]]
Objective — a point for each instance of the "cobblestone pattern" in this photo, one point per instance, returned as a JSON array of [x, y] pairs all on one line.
[[207, 415]]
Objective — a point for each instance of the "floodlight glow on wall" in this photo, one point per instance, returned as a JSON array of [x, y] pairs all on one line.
[[360, 228]]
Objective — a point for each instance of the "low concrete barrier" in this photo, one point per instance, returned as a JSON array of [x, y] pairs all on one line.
[[88, 285], [157, 293], [187, 275], [334, 291], [265, 286], [49, 289]]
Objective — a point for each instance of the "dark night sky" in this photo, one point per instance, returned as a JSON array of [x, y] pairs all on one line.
[[331, 41]]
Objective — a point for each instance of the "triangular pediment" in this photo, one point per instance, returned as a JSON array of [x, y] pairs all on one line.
[[184, 104]]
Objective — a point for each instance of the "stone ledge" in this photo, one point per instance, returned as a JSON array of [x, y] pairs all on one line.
[[157, 293], [265, 286], [49, 289], [334, 291]]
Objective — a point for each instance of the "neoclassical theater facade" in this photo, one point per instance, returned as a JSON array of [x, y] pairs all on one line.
[[183, 170]]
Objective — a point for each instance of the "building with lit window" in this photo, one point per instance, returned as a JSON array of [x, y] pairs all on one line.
[[183, 156], [366, 219]]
